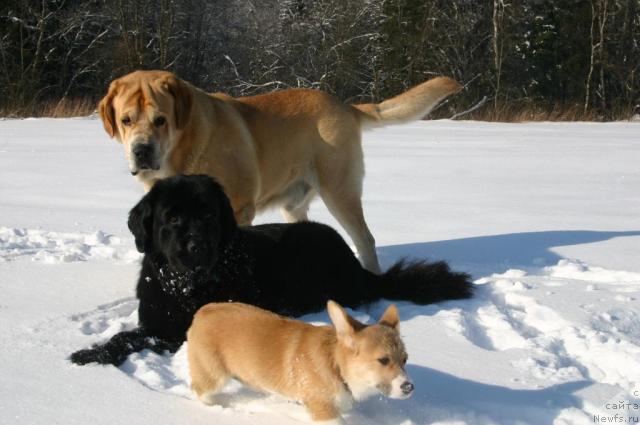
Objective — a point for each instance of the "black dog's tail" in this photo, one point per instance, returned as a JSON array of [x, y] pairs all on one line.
[[117, 349], [422, 282]]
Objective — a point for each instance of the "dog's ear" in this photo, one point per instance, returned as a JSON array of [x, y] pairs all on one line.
[[141, 224], [346, 326], [390, 317], [181, 99], [226, 219], [228, 224], [107, 113]]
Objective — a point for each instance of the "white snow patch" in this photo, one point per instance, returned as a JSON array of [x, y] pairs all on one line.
[[56, 247]]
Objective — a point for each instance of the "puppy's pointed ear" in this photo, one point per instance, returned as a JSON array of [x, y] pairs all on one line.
[[141, 224], [390, 317], [107, 113], [346, 326], [182, 100]]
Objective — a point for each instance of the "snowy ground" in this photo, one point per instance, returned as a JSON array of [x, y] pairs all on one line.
[[545, 216]]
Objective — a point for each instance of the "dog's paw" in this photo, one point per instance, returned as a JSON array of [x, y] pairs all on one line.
[[86, 356]]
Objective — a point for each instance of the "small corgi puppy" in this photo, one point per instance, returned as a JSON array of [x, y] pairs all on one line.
[[324, 367]]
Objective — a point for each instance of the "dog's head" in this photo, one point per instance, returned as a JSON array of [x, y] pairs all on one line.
[[371, 358], [188, 220], [146, 111]]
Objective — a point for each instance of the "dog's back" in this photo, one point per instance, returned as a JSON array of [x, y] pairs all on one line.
[[261, 349]]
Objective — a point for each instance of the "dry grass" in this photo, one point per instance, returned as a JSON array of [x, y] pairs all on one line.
[[527, 112], [505, 112], [63, 108], [523, 113]]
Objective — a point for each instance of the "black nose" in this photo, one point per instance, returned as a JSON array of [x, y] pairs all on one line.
[[193, 247], [406, 387], [142, 153]]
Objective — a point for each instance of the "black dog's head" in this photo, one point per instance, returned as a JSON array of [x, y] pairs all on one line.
[[186, 219]]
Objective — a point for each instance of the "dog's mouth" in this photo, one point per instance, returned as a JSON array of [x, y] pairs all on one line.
[[385, 389], [145, 167], [185, 262]]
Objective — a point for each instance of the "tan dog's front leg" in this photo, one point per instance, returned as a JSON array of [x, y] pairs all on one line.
[[324, 412]]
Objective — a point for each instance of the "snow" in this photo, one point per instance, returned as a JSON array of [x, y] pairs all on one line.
[[545, 217]]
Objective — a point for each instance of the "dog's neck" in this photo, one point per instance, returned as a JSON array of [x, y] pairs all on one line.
[[355, 390], [181, 286]]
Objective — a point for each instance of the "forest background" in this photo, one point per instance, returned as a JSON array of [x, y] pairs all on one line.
[[518, 60]]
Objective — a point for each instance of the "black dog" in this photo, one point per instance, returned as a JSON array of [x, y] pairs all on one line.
[[196, 254]]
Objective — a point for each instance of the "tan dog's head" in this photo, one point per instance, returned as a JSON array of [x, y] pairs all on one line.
[[146, 112], [371, 358]]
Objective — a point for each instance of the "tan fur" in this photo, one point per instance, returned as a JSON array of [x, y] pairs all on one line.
[[307, 363], [277, 149]]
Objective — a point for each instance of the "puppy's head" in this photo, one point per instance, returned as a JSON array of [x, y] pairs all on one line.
[[371, 358], [146, 111], [188, 220]]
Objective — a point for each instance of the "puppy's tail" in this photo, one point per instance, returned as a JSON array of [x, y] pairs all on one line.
[[422, 282], [117, 349], [411, 105]]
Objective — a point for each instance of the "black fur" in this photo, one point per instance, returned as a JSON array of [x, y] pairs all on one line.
[[196, 254]]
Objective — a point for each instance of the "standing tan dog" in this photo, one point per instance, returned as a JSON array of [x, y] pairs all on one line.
[[277, 149], [323, 367]]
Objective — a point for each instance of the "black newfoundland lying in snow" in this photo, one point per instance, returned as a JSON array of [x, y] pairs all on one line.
[[196, 254]]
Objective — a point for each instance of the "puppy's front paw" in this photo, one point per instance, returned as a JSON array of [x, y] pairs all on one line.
[[337, 421]]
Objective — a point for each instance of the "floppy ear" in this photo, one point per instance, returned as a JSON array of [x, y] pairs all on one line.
[[107, 113], [141, 224], [227, 219], [346, 326], [182, 100], [390, 317]]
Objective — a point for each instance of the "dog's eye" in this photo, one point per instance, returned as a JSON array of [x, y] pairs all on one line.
[[404, 360], [174, 220], [159, 121], [126, 121], [384, 361]]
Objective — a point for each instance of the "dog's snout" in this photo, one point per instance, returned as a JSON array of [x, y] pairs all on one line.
[[142, 152], [406, 387], [193, 247]]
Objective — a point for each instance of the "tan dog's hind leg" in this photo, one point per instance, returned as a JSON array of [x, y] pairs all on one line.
[[339, 173], [298, 211], [341, 193], [347, 209]]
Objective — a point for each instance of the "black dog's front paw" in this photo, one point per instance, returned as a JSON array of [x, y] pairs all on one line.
[[89, 355]]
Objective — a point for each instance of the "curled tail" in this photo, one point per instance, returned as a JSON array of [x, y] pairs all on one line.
[[411, 105], [422, 282], [117, 349]]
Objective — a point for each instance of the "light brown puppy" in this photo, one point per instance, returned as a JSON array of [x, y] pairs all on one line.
[[278, 149], [323, 367]]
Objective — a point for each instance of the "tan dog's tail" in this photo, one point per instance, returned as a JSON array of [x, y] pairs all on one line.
[[411, 105]]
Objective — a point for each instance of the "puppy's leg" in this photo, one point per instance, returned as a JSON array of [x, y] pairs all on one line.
[[324, 412], [346, 207], [208, 376]]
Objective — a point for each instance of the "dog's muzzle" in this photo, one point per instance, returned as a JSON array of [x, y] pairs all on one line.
[[144, 158], [401, 387]]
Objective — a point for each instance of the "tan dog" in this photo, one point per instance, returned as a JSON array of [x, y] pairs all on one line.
[[278, 149], [323, 367]]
